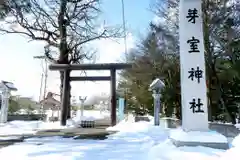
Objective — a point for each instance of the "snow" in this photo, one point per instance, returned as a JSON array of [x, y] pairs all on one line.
[[27, 127], [167, 151], [10, 138], [31, 127], [121, 126], [90, 116], [197, 136], [237, 125], [236, 141], [133, 141]]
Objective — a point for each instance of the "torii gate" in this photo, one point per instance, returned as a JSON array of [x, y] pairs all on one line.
[[100, 66]]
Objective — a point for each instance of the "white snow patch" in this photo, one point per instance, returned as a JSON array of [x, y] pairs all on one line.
[[232, 154], [237, 125], [85, 118], [27, 127], [129, 126], [30, 127], [10, 138], [167, 151], [236, 141], [18, 127], [92, 115], [197, 136]]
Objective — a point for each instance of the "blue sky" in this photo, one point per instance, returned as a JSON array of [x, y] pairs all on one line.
[[137, 14], [17, 63]]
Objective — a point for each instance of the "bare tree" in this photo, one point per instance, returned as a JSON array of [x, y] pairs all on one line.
[[66, 26], [5, 6]]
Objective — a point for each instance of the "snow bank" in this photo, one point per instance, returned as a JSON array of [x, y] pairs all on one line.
[[167, 151], [29, 127], [85, 118], [197, 136], [237, 125], [10, 138], [233, 153], [140, 140], [236, 141], [122, 145], [51, 125], [18, 127], [126, 126], [91, 115]]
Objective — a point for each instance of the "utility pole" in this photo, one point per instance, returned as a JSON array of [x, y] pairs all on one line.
[[46, 77], [41, 85], [45, 74]]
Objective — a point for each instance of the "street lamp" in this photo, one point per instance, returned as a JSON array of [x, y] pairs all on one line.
[[82, 100], [156, 86]]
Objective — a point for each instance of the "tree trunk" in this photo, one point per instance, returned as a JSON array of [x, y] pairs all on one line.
[[208, 56], [178, 111], [228, 115], [63, 49], [233, 118]]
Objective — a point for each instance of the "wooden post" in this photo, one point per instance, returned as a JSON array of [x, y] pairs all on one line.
[[113, 97], [69, 101], [65, 98]]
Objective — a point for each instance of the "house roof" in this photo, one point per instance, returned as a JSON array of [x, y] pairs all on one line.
[[50, 103], [9, 85]]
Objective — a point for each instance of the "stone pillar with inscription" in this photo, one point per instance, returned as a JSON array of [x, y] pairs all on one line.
[[193, 81]]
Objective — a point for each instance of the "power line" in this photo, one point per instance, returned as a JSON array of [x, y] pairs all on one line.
[[124, 27]]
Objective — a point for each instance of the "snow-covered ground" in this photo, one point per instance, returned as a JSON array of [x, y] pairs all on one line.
[[24, 127], [237, 126], [134, 141]]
